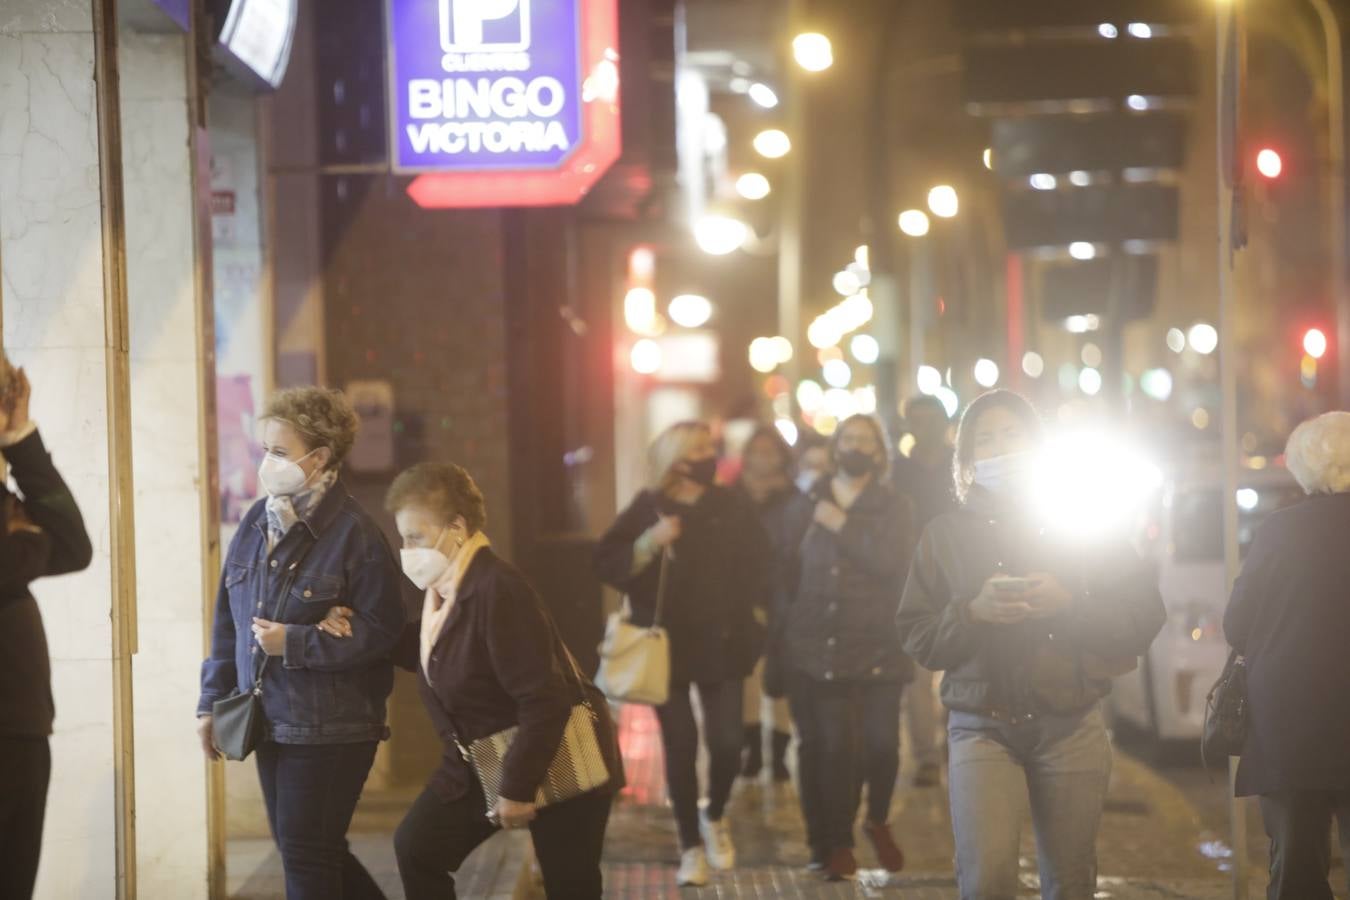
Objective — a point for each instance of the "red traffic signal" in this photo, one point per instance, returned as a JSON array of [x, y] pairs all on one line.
[[1269, 163]]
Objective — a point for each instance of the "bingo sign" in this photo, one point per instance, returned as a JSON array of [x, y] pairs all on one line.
[[503, 102]]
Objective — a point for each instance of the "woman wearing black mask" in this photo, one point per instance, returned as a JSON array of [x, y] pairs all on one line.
[[717, 561], [846, 667]]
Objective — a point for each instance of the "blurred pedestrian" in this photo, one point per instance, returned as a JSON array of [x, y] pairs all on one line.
[[1289, 617], [845, 662], [718, 570], [306, 548], [41, 535], [924, 476], [1029, 632], [813, 460], [767, 481], [488, 658]]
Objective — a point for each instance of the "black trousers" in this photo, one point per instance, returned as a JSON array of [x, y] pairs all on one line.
[[25, 771], [723, 733], [435, 838], [311, 792], [849, 733], [1299, 827]]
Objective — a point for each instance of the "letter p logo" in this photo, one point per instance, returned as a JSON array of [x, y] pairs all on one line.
[[485, 26]]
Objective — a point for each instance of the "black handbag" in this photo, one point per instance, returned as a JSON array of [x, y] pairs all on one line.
[[1225, 730], [237, 721]]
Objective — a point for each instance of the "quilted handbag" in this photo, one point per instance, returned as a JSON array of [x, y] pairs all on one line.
[[577, 768], [635, 661]]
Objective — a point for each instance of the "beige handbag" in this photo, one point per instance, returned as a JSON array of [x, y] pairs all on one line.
[[635, 661]]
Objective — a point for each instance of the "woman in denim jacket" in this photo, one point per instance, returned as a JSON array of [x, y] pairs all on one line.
[[306, 548]]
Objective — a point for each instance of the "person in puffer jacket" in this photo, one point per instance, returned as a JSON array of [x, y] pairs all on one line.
[[1029, 628]]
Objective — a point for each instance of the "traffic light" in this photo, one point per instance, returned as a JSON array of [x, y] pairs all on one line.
[[1315, 343], [1269, 163]]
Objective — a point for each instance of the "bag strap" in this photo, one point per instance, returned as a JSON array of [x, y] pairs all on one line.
[[292, 572], [661, 582]]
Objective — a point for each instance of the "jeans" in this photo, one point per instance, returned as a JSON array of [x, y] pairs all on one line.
[[849, 733], [722, 733], [25, 770], [311, 792], [1299, 827], [435, 838], [1060, 766]]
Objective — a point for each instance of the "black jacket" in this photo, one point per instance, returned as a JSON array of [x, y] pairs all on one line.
[[840, 626], [930, 489], [785, 515], [719, 576], [499, 663], [1290, 616], [26, 708], [1061, 665]]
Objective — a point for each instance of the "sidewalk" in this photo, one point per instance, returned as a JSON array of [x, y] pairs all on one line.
[[1151, 840]]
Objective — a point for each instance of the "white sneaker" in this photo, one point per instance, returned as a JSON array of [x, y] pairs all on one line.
[[717, 838], [693, 868]]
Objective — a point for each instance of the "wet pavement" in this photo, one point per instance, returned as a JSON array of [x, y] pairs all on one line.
[[1164, 835]]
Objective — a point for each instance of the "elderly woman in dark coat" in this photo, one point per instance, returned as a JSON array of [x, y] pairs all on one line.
[[1290, 617]]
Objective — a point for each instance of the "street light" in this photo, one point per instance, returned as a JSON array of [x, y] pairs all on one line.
[[914, 222], [763, 95], [1269, 163], [1203, 338], [813, 51], [943, 202], [720, 235], [1315, 343], [986, 373], [753, 186], [690, 310], [646, 357], [1082, 250], [772, 144]]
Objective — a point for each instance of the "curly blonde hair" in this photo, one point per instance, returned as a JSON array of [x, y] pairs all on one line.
[[323, 418]]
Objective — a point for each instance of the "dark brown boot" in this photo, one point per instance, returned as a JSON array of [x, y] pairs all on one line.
[[842, 865], [889, 855]]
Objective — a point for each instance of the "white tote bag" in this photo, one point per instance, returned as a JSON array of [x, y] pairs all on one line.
[[635, 661]]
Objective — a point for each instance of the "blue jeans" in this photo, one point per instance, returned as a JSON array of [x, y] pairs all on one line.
[[311, 792], [1057, 765]]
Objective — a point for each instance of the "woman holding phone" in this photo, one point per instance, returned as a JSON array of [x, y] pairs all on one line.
[[1029, 630]]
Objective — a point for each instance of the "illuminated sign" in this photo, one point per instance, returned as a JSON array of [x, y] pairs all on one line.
[[503, 102]]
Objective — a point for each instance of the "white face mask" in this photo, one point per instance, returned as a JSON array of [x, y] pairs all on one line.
[[283, 477], [424, 566]]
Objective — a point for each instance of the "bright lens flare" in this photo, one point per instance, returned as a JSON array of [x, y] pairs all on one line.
[[1090, 483], [1315, 343]]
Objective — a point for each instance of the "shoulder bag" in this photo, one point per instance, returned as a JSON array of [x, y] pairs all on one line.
[[635, 661], [238, 721], [1225, 729], [578, 766]]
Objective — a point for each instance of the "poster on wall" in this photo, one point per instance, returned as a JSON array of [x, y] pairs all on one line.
[[503, 102]]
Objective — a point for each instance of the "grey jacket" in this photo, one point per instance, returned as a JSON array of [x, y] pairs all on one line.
[[1061, 665]]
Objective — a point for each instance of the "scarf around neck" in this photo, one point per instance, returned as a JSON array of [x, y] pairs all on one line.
[[440, 596], [284, 512]]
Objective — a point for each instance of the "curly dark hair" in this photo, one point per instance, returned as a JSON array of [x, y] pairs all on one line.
[[323, 417], [442, 488]]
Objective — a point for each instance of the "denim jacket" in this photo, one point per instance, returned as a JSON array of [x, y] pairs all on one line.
[[323, 690]]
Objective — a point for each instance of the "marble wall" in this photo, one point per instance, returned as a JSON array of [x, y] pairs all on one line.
[[51, 246], [171, 840]]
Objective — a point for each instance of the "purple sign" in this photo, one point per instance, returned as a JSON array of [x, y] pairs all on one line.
[[484, 85]]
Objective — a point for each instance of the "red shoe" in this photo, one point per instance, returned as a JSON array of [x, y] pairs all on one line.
[[842, 866], [889, 854]]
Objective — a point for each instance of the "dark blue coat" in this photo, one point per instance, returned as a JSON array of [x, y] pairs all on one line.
[[1290, 616], [324, 690]]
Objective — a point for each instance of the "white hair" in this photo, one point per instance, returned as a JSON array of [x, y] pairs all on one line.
[[1318, 454]]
